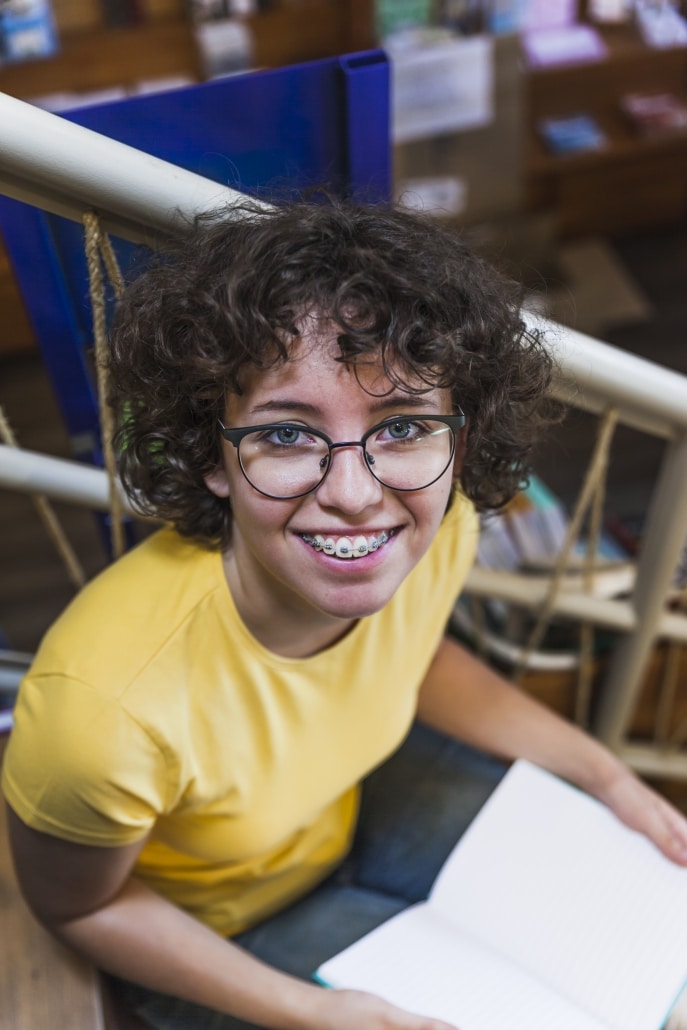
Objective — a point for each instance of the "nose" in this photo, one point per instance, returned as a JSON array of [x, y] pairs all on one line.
[[349, 485]]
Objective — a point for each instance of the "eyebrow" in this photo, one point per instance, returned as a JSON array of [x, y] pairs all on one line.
[[396, 401]]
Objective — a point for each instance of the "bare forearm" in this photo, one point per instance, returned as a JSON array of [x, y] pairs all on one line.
[[140, 936], [90, 900], [465, 699]]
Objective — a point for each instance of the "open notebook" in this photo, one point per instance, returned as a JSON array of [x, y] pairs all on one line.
[[549, 913]]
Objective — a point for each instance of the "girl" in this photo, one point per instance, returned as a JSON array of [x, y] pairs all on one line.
[[315, 400]]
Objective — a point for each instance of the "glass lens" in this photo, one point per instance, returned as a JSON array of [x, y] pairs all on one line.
[[289, 460], [409, 454], [285, 461]]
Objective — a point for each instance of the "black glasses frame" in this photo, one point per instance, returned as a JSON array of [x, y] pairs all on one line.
[[235, 435]]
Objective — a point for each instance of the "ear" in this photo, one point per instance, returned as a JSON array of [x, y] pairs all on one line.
[[217, 482]]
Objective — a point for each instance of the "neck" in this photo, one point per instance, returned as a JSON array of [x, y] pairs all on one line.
[[280, 625]]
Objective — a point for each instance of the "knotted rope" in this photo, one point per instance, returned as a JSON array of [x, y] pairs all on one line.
[[591, 494], [47, 515], [99, 253]]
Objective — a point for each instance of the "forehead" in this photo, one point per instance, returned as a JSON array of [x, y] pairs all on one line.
[[314, 369]]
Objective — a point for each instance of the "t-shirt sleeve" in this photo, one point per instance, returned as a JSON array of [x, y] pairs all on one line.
[[78, 766]]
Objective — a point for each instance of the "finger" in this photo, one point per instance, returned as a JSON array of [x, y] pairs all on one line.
[[661, 822], [671, 832], [435, 1024], [416, 1022]]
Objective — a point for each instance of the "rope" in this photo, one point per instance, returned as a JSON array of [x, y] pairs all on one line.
[[479, 620], [47, 515], [585, 676], [592, 483], [668, 690], [98, 252]]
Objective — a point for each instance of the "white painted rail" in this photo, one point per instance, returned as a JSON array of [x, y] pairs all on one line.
[[63, 168], [58, 478]]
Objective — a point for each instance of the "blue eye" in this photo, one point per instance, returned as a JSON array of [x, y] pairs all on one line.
[[400, 430], [286, 435]]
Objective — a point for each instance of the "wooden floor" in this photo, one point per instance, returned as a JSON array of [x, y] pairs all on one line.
[[44, 984], [50, 986], [657, 261]]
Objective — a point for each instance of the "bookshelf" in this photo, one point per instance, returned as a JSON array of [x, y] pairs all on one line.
[[634, 181], [95, 56]]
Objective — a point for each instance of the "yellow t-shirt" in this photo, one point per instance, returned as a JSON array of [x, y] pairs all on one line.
[[150, 709]]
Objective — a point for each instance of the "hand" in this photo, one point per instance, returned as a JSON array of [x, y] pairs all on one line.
[[642, 809], [358, 1010]]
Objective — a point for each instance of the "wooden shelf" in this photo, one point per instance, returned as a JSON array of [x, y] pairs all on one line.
[[104, 58], [634, 181], [100, 58]]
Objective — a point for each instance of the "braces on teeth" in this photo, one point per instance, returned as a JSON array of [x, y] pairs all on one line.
[[344, 547]]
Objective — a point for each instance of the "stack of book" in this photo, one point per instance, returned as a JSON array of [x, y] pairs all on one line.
[[527, 539], [27, 30], [13, 665], [654, 114]]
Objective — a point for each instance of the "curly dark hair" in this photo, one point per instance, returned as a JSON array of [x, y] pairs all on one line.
[[231, 294]]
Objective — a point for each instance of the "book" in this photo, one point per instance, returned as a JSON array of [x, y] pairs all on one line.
[[571, 134], [608, 12], [549, 913], [13, 666], [660, 24], [7, 699], [654, 114], [27, 30], [564, 44]]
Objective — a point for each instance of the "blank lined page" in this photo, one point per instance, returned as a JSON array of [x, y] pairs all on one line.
[[547, 875], [422, 963]]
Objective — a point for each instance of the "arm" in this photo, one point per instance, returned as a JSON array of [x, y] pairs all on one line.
[[465, 699], [91, 901]]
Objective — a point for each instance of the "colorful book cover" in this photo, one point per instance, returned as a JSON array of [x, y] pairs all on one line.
[[27, 30], [566, 44], [571, 134], [653, 114]]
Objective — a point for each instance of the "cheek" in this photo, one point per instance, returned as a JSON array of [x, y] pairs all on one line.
[[432, 507]]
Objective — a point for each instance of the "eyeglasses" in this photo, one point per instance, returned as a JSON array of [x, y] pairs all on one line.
[[284, 460]]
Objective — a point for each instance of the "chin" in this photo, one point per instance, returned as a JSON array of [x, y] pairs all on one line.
[[354, 608]]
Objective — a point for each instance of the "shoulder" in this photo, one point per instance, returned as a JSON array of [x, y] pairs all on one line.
[[131, 611], [78, 766]]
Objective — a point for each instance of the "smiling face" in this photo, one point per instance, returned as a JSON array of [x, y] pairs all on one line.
[[288, 586]]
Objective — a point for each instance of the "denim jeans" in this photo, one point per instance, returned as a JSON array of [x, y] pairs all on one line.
[[414, 808]]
